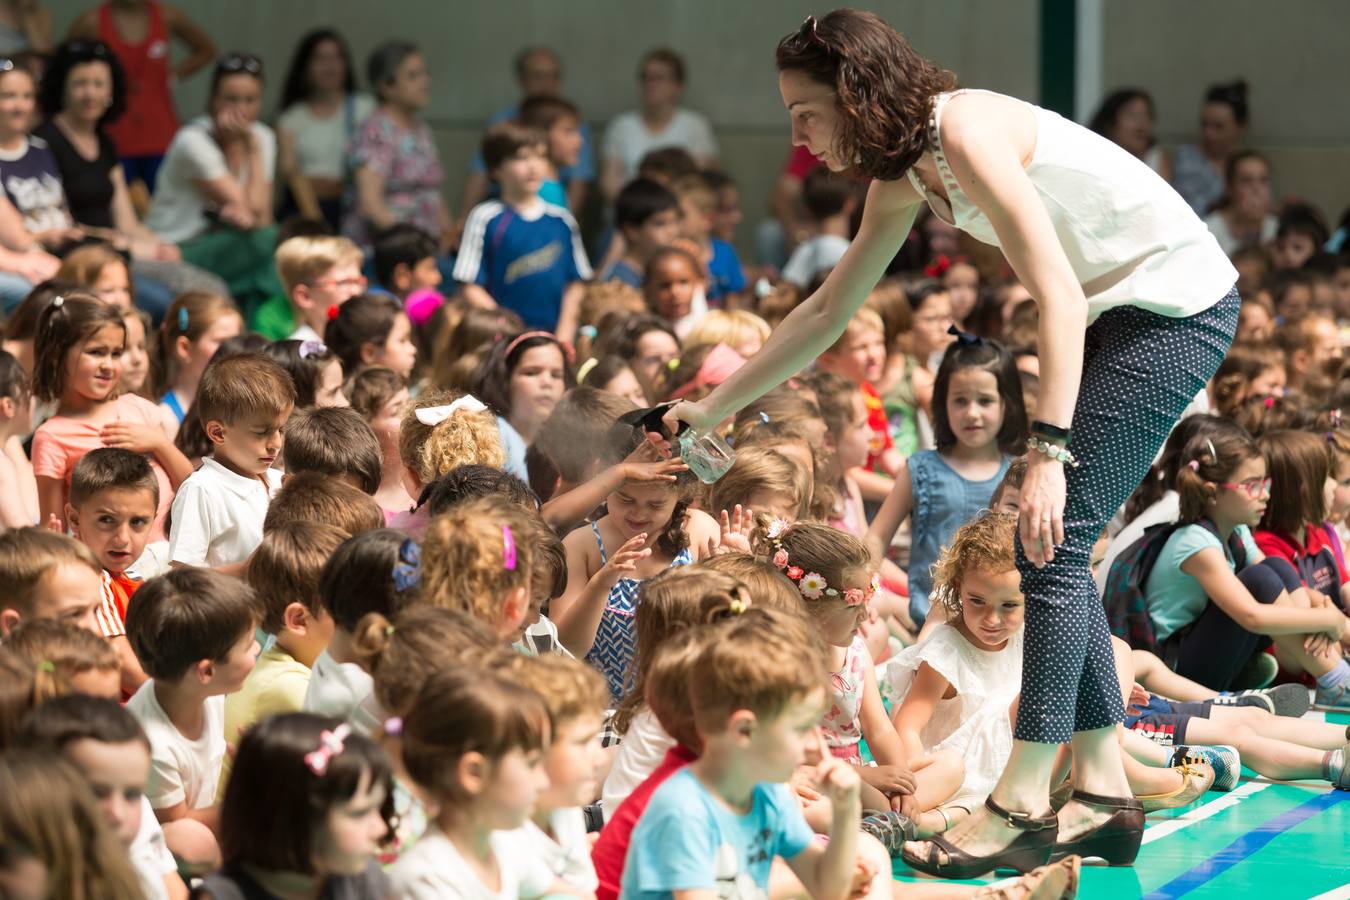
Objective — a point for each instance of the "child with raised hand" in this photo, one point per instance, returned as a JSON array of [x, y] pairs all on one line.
[[648, 527], [218, 513], [45, 575], [373, 572], [194, 327], [192, 631], [440, 431], [521, 382], [980, 423], [576, 699], [718, 824], [284, 573], [78, 364], [474, 743], [372, 330], [477, 558], [672, 602], [307, 809], [54, 831], [113, 497], [380, 396], [1215, 602], [18, 488], [766, 481], [107, 746]]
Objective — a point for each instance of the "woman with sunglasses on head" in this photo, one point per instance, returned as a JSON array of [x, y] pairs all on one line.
[[214, 196], [1137, 308]]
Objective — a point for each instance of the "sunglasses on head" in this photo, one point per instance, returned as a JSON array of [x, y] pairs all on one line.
[[241, 62], [97, 49]]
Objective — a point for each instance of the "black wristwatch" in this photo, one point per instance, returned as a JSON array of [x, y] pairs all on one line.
[[1053, 432]]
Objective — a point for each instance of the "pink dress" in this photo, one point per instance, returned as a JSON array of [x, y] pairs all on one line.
[[840, 726], [61, 442]]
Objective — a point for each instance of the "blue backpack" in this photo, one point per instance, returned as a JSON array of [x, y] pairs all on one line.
[[1124, 596]]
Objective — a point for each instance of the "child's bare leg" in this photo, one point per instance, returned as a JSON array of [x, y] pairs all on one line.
[[1145, 751], [1154, 675], [1145, 779], [193, 846], [938, 780], [1265, 756], [1304, 732]]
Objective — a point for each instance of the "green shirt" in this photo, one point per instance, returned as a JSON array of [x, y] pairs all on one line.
[[274, 319]]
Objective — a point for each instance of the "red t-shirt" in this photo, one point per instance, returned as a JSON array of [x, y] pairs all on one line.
[[800, 163], [611, 849], [880, 425], [150, 121], [1317, 560]]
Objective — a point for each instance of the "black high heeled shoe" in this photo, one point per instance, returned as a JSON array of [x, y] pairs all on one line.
[[1028, 850], [1116, 840]]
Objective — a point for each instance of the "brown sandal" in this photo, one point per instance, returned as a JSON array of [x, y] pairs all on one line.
[[1028, 850]]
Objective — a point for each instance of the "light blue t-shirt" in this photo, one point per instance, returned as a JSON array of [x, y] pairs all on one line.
[[1174, 598], [688, 840]]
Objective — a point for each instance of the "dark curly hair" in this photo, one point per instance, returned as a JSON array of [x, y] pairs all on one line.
[[51, 95], [884, 89]]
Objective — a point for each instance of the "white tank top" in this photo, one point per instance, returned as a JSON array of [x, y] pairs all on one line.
[[1130, 238]]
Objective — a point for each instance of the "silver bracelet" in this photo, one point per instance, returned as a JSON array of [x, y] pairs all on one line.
[[1054, 451]]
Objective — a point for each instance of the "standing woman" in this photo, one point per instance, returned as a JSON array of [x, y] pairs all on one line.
[[214, 194], [1136, 309], [396, 170], [320, 113]]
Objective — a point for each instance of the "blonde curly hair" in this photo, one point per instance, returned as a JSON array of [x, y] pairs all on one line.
[[985, 544], [466, 438], [464, 556]]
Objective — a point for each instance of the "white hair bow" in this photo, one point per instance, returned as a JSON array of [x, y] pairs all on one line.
[[435, 415]]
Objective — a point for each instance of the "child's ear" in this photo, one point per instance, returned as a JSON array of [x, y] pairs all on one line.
[[472, 772], [215, 431], [742, 724], [300, 296], [182, 347], [8, 408], [73, 519], [412, 482], [9, 620], [203, 671], [514, 609], [296, 619], [368, 353], [401, 278]]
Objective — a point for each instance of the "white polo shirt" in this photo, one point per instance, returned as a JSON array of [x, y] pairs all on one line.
[[217, 517]]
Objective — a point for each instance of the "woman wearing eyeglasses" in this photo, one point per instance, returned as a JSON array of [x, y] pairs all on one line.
[[1137, 308], [214, 198]]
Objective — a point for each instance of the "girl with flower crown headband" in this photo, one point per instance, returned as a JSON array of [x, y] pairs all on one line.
[[836, 577]]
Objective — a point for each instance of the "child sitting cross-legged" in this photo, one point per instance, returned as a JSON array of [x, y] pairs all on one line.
[[192, 631]]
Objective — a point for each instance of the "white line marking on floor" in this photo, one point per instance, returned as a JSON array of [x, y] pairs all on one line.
[[1200, 813], [1340, 893]]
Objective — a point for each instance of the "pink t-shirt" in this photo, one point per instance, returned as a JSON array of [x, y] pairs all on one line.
[[61, 442]]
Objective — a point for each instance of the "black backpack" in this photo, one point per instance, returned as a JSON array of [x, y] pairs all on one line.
[[1124, 596]]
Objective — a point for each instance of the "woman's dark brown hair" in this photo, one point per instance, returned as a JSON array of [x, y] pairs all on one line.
[[1298, 464], [884, 90]]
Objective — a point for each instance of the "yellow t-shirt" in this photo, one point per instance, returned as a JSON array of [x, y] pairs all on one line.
[[277, 684]]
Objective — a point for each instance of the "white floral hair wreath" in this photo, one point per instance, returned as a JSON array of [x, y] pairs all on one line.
[[812, 585]]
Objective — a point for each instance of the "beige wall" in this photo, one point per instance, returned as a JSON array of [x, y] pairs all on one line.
[[1291, 51]]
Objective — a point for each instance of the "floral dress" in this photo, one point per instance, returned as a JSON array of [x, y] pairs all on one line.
[[407, 160], [843, 734]]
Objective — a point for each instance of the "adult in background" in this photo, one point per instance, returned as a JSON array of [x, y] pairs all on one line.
[[1126, 117], [1242, 217], [1130, 330], [1198, 169], [24, 26], [396, 170], [659, 121], [321, 112], [83, 91], [539, 74], [215, 186], [141, 34]]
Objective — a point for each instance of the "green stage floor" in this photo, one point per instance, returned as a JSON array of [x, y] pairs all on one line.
[[1267, 840]]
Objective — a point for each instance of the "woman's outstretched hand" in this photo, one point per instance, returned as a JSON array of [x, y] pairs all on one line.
[[1040, 517], [689, 412]]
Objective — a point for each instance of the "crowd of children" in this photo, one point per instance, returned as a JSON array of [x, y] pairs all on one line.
[[371, 592]]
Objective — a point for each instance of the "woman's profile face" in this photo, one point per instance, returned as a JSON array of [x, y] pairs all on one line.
[[410, 86], [815, 121]]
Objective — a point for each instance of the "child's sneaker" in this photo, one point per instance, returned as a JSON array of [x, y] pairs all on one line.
[[1257, 673], [1223, 759], [1282, 700], [891, 828], [1336, 699]]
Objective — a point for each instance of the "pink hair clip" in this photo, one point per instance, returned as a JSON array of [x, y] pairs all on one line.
[[1270, 402], [1194, 465], [331, 743], [393, 726], [508, 549]]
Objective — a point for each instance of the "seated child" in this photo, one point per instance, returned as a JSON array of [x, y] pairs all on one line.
[[284, 574], [647, 216], [830, 201], [335, 442], [380, 397], [192, 631], [698, 207], [317, 274], [442, 430], [372, 330], [218, 511], [45, 575], [520, 252], [113, 498], [359, 578], [576, 698], [108, 747], [18, 489], [80, 661], [315, 370], [313, 497], [405, 260]]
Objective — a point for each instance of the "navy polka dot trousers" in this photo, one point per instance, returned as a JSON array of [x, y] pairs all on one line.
[[1140, 371]]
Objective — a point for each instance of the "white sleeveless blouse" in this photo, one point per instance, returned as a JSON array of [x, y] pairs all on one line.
[[1130, 238]]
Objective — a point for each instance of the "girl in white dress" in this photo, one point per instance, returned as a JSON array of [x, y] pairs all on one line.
[[956, 689]]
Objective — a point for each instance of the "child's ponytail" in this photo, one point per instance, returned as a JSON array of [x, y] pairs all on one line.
[[399, 656]]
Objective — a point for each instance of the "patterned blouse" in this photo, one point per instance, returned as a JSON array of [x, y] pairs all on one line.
[[407, 160]]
